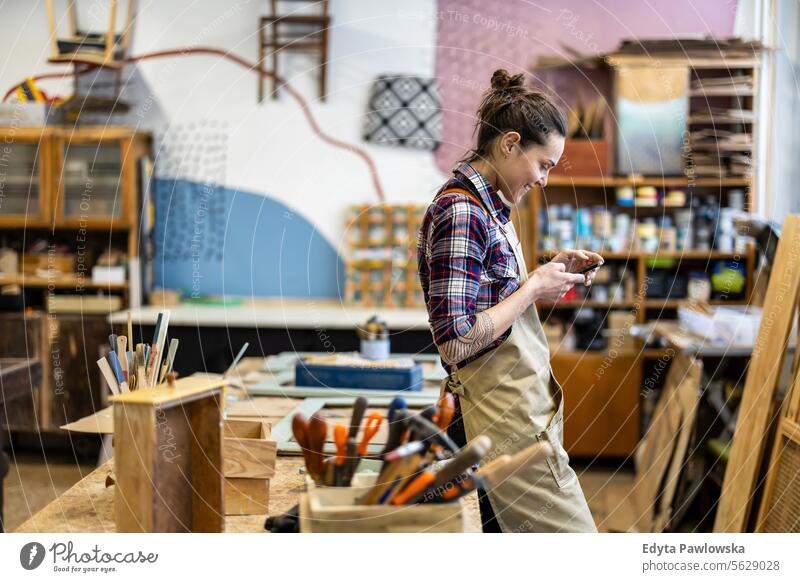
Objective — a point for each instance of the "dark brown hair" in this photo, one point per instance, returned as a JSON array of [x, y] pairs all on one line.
[[511, 106]]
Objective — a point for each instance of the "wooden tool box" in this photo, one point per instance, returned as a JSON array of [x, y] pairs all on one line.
[[334, 510], [168, 458], [249, 455]]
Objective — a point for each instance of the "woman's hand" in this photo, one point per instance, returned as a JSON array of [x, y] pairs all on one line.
[[551, 281], [575, 260]]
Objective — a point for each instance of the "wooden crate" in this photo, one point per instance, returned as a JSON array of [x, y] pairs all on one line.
[[333, 510], [168, 458], [249, 455]]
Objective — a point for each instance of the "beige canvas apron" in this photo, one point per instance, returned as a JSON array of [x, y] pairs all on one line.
[[511, 395]]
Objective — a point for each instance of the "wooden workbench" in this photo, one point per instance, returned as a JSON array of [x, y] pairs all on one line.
[[89, 505]]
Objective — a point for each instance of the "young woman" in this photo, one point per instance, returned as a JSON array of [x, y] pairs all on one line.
[[480, 299]]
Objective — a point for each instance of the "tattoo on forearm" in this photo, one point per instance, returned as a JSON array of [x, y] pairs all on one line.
[[477, 338]]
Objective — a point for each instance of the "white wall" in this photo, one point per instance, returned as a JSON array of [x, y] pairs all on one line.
[[271, 148]]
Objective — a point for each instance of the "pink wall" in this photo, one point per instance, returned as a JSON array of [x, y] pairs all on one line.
[[475, 37]]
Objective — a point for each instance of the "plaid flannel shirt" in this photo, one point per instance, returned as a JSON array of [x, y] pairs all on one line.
[[466, 264]]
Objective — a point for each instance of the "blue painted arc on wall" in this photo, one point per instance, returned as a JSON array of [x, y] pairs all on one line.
[[212, 240]]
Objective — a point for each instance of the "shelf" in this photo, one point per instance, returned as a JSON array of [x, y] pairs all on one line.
[[636, 255], [675, 303], [57, 282], [586, 303], [665, 181], [721, 92]]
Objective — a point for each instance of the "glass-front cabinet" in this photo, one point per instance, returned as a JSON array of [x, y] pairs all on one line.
[[91, 181], [93, 184], [24, 186]]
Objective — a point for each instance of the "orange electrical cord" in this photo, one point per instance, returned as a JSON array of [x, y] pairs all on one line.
[[312, 122]]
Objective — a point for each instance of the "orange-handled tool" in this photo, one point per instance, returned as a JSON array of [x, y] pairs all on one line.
[[371, 427], [418, 485], [446, 410], [340, 438]]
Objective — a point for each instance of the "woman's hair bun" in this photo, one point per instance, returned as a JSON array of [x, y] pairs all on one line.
[[502, 80]]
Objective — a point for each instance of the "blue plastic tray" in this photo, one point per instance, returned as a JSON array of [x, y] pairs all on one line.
[[357, 377]]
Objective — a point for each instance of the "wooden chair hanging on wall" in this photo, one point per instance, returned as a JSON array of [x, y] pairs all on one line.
[[294, 31]]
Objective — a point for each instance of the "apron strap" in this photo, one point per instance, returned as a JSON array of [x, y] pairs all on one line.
[[452, 383]]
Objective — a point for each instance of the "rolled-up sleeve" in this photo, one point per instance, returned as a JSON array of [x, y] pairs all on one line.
[[457, 242]]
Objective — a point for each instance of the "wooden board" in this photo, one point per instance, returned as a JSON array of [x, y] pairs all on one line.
[[662, 453], [780, 503], [750, 437]]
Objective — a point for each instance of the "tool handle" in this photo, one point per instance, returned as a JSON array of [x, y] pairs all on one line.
[[494, 474], [340, 438], [446, 410], [317, 433], [108, 374], [397, 403], [469, 455], [122, 345], [116, 367], [428, 432], [300, 432], [418, 485], [359, 408], [396, 429], [371, 428], [403, 451]]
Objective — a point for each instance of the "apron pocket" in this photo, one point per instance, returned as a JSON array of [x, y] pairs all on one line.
[[558, 462]]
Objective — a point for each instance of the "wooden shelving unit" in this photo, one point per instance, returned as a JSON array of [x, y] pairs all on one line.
[[718, 89], [77, 186], [77, 191], [381, 266]]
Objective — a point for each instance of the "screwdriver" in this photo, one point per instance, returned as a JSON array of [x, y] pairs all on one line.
[[340, 438], [359, 407]]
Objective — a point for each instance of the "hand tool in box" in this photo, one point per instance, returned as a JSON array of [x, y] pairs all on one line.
[[494, 473], [464, 460], [340, 438], [396, 464], [300, 432], [371, 427], [397, 426], [397, 403], [359, 408], [317, 433], [445, 410]]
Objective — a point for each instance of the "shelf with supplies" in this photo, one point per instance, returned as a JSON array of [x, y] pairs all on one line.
[[381, 261], [70, 217]]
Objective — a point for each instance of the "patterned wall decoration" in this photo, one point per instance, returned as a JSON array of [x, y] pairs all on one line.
[[475, 37], [404, 111]]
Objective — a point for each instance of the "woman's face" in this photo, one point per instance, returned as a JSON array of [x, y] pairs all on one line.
[[525, 168]]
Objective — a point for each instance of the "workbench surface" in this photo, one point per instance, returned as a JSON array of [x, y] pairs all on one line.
[[290, 315], [89, 505]]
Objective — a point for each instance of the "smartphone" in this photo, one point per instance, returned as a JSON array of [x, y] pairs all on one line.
[[587, 269]]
